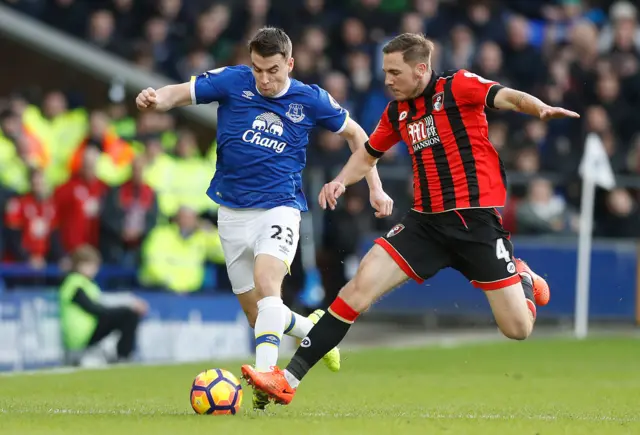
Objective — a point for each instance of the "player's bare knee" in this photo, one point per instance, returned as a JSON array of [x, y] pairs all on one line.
[[268, 275], [268, 282], [353, 296], [267, 286]]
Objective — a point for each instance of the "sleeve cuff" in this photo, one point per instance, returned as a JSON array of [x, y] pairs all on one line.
[[372, 151], [192, 86], [491, 95], [344, 124]]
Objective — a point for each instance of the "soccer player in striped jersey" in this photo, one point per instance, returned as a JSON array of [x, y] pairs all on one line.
[[459, 182]]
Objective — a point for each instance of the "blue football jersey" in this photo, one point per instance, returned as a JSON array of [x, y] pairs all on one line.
[[262, 141]]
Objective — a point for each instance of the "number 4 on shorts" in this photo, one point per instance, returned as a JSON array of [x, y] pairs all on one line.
[[501, 251]]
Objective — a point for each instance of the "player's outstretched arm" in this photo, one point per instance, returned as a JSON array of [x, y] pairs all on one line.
[[356, 138], [518, 101], [380, 201], [360, 163], [165, 98]]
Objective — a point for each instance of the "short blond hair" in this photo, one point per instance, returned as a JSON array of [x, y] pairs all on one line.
[[85, 254], [415, 48]]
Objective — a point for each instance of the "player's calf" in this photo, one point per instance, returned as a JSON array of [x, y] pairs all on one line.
[[513, 309], [270, 321]]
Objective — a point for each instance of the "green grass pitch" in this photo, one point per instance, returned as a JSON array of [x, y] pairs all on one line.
[[540, 387]]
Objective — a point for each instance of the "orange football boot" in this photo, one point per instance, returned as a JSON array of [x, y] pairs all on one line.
[[273, 383], [540, 287]]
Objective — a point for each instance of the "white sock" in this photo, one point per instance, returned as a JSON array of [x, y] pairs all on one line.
[[268, 331], [295, 324], [292, 380]]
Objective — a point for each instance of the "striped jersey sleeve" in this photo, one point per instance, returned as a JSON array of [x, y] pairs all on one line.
[[386, 134]]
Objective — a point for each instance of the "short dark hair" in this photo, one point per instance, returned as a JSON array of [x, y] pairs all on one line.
[[413, 46], [270, 41]]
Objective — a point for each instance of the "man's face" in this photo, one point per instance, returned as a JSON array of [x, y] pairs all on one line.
[[38, 185], [271, 72], [402, 79]]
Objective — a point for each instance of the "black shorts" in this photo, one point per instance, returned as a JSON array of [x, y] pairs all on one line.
[[472, 241]]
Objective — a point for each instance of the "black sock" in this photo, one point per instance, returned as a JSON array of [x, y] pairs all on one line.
[[527, 286], [324, 336]]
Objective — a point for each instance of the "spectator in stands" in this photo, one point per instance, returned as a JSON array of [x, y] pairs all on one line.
[[188, 178], [116, 154], [78, 204], [54, 133], [15, 170], [156, 34], [127, 14], [597, 121], [129, 212], [157, 171], [123, 123], [32, 226], [461, 50], [523, 62], [489, 63], [102, 33], [622, 37], [623, 217], [337, 85], [582, 64], [483, 17], [85, 319], [212, 34], [12, 166], [174, 255], [544, 212]]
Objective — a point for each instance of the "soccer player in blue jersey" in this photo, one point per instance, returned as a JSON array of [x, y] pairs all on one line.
[[264, 120]]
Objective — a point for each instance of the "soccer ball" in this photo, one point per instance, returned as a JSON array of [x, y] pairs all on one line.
[[216, 392]]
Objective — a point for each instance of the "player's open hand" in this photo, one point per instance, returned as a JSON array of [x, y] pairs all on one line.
[[147, 100], [330, 193], [381, 202], [556, 113]]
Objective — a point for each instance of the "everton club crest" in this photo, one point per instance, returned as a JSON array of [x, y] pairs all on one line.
[[295, 112]]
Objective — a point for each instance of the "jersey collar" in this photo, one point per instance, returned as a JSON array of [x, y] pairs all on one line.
[[431, 86], [284, 90]]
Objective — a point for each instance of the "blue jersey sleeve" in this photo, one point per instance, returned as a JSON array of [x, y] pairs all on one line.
[[329, 114], [211, 85]]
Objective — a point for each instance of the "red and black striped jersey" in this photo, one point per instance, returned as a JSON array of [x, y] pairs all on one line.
[[455, 166]]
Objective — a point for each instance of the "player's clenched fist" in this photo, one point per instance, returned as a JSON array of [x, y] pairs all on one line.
[[147, 99], [330, 193]]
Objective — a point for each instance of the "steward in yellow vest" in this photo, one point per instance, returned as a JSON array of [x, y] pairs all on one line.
[[84, 319]]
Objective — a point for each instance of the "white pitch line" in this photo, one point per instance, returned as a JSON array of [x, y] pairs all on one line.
[[427, 416]]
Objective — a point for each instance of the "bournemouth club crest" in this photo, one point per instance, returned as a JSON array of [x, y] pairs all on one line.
[[438, 101], [395, 230]]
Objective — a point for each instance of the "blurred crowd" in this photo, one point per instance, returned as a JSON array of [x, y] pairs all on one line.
[[121, 172]]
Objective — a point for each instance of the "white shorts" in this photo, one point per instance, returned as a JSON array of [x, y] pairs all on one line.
[[245, 233]]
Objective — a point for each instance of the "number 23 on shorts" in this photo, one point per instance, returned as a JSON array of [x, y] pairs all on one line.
[[277, 234]]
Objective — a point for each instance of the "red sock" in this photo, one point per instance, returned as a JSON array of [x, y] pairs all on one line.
[[342, 311]]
